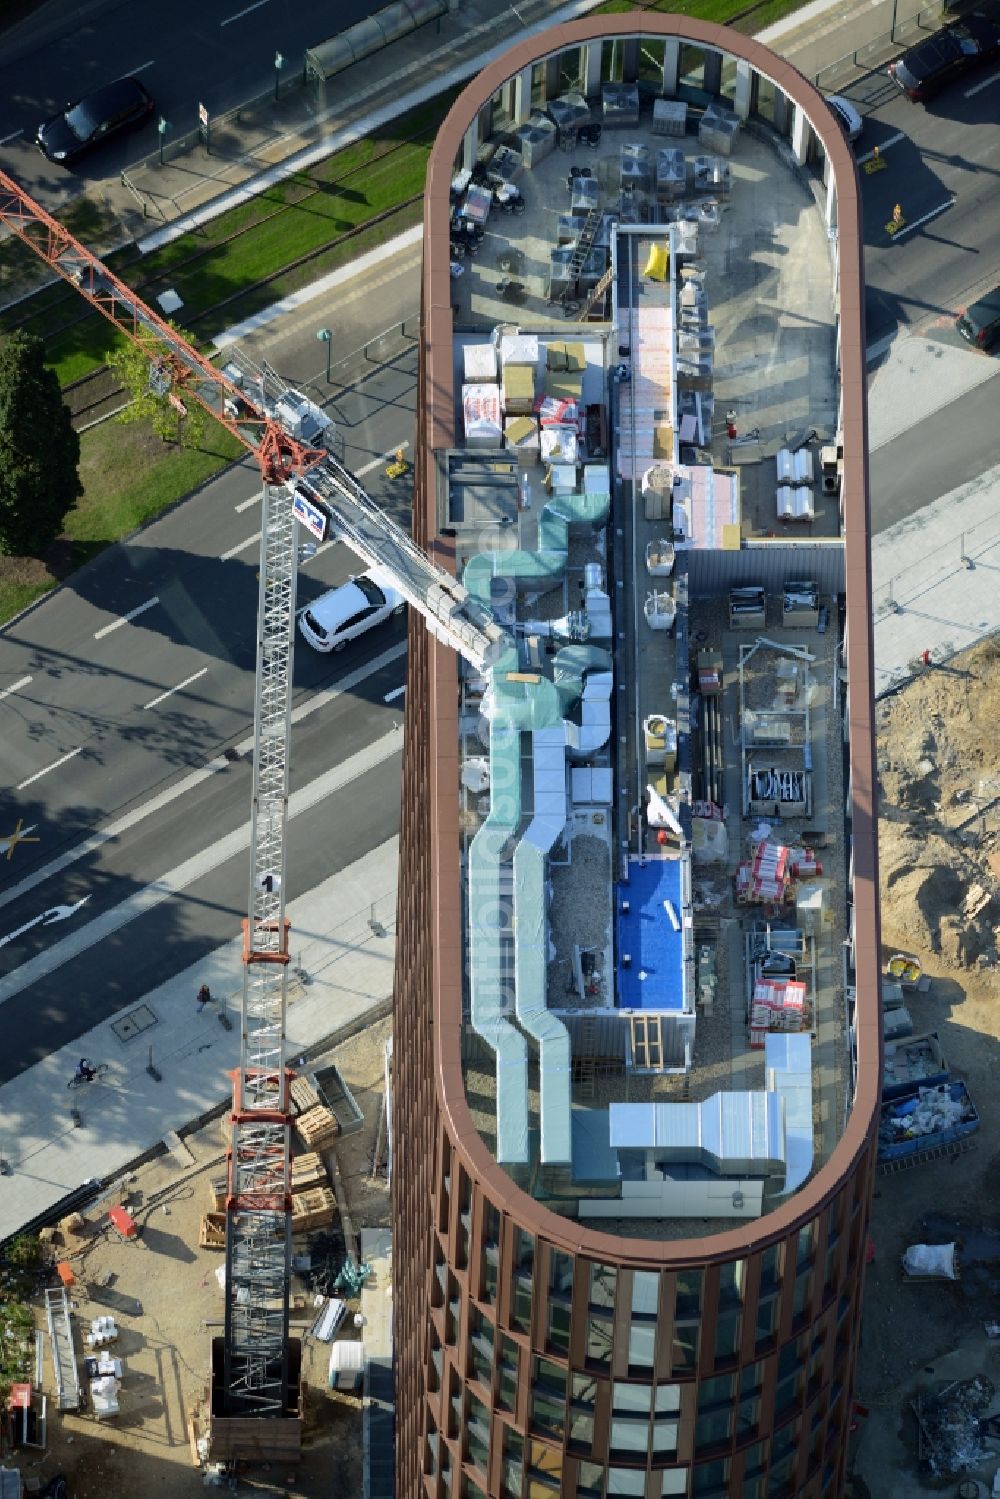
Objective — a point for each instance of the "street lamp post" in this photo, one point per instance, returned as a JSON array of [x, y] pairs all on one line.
[[326, 337], [279, 63], [162, 126]]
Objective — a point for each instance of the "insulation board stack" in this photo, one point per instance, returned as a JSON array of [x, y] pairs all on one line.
[[520, 435], [518, 389], [481, 415], [519, 348], [480, 363]]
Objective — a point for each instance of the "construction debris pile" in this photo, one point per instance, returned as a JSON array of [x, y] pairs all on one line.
[[952, 1424], [939, 810], [933, 1110]]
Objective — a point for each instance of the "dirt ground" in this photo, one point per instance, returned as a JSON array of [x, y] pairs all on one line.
[[939, 840], [163, 1292]]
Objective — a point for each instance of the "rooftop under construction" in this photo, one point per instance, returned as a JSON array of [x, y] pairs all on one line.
[[646, 497]]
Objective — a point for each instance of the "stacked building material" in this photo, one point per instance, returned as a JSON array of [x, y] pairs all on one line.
[[317, 1128], [312, 1209], [769, 872], [777, 1005], [308, 1171]]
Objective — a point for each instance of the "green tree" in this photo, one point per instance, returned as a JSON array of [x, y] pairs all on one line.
[[39, 450], [135, 369]]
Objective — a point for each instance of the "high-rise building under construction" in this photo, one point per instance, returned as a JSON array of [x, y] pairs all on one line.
[[636, 1045]]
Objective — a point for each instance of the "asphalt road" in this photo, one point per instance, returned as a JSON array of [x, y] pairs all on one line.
[[40, 1012], [939, 454], [103, 716], [942, 163], [216, 52]]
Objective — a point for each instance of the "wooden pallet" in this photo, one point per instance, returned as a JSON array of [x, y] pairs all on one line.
[[304, 1095], [312, 1209], [218, 1190], [317, 1127], [212, 1234], [308, 1171]]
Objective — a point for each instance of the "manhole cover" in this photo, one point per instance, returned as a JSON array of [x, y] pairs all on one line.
[[127, 1027]]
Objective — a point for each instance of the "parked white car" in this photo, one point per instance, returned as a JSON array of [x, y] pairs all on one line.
[[850, 120], [340, 616]]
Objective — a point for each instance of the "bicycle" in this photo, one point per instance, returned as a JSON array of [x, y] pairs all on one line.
[[101, 1070]]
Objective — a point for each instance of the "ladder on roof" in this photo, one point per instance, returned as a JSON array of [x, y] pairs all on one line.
[[63, 1353], [584, 244], [598, 292]]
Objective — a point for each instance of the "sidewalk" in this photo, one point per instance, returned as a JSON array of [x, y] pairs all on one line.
[[935, 581], [341, 973]]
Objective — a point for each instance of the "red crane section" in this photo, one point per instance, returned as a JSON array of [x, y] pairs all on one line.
[[180, 366]]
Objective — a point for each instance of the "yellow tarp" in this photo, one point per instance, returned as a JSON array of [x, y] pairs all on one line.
[[657, 267]]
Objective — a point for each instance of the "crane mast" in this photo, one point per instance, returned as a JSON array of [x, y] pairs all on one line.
[[255, 1378]]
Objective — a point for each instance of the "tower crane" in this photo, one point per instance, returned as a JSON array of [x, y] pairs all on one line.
[[254, 1375]]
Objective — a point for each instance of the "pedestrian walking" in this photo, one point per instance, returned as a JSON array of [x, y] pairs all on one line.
[[204, 996]]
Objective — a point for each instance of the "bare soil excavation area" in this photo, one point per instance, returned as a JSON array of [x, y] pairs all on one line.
[[939, 852]]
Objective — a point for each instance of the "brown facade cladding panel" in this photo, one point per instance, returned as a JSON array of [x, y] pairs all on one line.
[[797, 1344]]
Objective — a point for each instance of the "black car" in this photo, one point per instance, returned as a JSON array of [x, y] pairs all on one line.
[[930, 66], [122, 105]]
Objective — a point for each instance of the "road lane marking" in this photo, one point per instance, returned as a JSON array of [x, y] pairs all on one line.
[[900, 233], [251, 541], [132, 819], [241, 13], [132, 614], [54, 766], [977, 88], [12, 137], [315, 794], [55, 913], [883, 146], [142, 67], [385, 458], [396, 692], [15, 687], [245, 504], [179, 688]]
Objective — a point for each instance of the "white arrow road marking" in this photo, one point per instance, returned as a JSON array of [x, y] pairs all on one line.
[[56, 913]]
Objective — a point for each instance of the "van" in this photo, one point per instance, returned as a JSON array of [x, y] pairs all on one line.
[[980, 323]]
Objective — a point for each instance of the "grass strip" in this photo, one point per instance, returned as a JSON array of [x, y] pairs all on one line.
[[129, 477]]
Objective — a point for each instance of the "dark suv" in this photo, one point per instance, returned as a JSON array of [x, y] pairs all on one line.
[[122, 105], [980, 323], [932, 65]]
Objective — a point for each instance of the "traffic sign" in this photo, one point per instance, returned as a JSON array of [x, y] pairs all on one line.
[[309, 515], [203, 114]]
